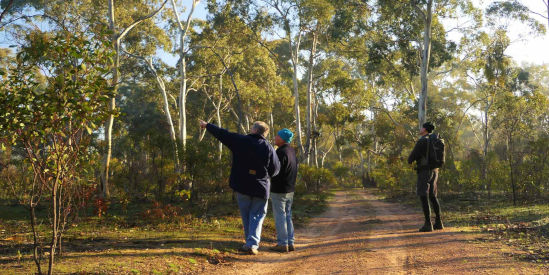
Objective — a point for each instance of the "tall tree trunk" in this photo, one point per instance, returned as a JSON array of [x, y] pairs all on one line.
[[110, 122], [54, 225], [170, 123], [294, 51], [316, 134], [218, 114], [112, 104], [273, 131], [309, 100], [164, 93], [511, 167], [116, 40], [374, 142], [425, 56], [315, 152], [547, 6], [184, 30], [484, 171], [37, 247], [183, 95], [362, 168]]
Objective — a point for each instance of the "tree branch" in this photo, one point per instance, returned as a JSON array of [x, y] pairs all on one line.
[[5, 11], [188, 23], [136, 22]]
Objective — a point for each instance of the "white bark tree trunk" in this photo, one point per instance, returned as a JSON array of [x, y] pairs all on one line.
[[295, 59], [166, 105], [218, 113], [183, 91], [425, 56], [116, 40], [309, 99]]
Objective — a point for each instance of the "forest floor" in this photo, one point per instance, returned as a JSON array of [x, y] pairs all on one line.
[[358, 233], [363, 234]]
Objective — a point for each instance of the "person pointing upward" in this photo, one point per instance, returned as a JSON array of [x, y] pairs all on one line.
[[254, 163]]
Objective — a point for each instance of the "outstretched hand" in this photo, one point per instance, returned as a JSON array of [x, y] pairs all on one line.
[[202, 123]]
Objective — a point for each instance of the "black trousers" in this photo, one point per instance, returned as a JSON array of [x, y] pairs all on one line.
[[427, 182], [427, 188]]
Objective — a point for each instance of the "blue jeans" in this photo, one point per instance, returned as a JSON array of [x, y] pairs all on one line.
[[253, 211], [282, 211]]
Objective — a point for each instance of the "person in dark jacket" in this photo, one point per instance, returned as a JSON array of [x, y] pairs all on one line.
[[426, 179], [254, 163], [282, 192]]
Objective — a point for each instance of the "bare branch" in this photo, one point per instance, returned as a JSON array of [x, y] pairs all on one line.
[[5, 11], [138, 21], [537, 13], [385, 111], [188, 23]]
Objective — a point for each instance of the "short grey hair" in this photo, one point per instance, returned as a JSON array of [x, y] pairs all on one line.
[[261, 128]]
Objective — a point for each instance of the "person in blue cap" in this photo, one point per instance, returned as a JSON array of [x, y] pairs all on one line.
[[282, 192]]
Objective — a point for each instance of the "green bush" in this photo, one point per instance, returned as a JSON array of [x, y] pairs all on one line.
[[314, 179]]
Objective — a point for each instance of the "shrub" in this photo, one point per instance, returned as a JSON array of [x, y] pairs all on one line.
[[315, 179], [160, 212]]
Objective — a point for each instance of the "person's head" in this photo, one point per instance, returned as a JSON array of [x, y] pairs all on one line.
[[260, 128], [283, 136], [428, 128]]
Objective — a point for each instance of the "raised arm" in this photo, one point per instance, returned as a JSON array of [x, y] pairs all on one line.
[[227, 138]]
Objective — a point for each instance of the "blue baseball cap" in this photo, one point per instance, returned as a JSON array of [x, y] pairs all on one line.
[[286, 135]]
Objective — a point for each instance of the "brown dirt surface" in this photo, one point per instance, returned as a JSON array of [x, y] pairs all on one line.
[[362, 234]]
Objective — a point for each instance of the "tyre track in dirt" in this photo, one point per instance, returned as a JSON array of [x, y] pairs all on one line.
[[361, 234]]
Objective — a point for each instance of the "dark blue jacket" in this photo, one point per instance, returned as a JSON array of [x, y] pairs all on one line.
[[254, 161]]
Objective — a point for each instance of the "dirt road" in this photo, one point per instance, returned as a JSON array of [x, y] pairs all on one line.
[[360, 234]]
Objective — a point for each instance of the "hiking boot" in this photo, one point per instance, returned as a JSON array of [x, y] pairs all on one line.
[[438, 224], [280, 248], [248, 250], [427, 227], [253, 251], [291, 247], [243, 248]]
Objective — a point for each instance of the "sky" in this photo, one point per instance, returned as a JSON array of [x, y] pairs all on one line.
[[530, 49]]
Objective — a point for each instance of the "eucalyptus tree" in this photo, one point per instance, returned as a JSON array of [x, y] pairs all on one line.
[[287, 16], [184, 27], [229, 45], [519, 10], [420, 37], [516, 118], [160, 80], [496, 67], [316, 16], [118, 33]]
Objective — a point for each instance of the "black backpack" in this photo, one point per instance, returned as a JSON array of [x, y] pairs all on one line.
[[435, 151]]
